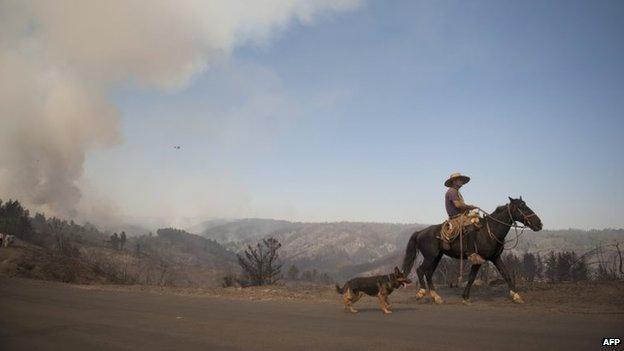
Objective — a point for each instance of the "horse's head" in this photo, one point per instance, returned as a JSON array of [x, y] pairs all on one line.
[[520, 212]]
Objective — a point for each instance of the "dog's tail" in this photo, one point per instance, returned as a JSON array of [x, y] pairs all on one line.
[[411, 252], [339, 289]]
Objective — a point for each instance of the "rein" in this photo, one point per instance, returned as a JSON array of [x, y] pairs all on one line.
[[512, 225]]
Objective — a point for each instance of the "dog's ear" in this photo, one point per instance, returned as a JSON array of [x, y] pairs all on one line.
[[396, 270]]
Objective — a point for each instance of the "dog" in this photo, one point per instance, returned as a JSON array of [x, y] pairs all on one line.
[[379, 285]]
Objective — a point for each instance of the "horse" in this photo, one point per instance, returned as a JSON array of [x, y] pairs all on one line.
[[489, 243]]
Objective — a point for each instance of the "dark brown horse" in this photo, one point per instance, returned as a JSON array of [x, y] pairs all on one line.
[[489, 243]]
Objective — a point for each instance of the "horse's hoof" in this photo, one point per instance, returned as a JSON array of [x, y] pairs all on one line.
[[467, 302], [421, 294], [436, 298], [515, 297]]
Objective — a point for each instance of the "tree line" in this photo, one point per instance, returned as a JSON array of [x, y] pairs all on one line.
[[552, 267], [51, 232]]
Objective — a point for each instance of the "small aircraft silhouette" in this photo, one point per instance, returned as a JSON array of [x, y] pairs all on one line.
[[177, 147]]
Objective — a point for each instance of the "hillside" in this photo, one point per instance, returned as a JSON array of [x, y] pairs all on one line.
[[330, 247], [245, 230], [188, 249], [55, 249], [348, 248]]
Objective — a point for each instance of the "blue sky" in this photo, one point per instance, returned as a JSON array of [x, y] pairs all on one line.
[[362, 115]]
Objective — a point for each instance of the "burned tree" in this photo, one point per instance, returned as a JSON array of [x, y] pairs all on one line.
[[529, 267], [260, 264], [293, 272]]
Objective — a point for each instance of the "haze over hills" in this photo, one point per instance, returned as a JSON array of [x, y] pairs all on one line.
[[329, 247], [347, 248], [52, 246]]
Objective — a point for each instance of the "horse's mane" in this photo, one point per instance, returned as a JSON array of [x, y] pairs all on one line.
[[499, 208]]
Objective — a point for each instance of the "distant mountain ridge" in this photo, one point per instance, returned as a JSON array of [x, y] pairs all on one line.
[[329, 247], [347, 248]]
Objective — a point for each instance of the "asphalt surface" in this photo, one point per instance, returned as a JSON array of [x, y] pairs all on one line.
[[37, 315]]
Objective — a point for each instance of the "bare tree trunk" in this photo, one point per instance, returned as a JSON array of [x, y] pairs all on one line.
[[617, 247]]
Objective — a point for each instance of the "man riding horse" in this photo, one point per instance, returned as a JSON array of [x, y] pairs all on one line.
[[485, 235], [459, 216]]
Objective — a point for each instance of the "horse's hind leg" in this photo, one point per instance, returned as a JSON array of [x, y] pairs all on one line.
[[420, 271], [429, 274]]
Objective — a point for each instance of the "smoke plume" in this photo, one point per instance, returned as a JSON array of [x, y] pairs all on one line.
[[61, 60]]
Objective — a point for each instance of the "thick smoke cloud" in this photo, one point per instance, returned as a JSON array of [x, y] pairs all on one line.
[[60, 61]]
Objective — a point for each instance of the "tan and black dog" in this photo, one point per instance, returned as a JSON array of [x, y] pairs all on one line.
[[379, 285]]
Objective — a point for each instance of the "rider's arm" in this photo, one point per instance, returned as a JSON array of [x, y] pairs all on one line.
[[459, 203]]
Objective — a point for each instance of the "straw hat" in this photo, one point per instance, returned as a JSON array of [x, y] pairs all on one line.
[[454, 176]]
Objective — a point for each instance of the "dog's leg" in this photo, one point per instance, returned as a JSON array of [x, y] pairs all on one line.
[[383, 299], [345, 300], [388, 305], [350, 298], [385, 293], [357, 296], [382, 303]]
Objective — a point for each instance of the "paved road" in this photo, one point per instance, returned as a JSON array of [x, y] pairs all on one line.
[[51, 316]]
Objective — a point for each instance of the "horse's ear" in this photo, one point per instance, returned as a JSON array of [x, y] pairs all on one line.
[[521, 198], [510, 199]]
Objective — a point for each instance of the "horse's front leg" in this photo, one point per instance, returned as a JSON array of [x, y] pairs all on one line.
[[474, 269], [498, 263]]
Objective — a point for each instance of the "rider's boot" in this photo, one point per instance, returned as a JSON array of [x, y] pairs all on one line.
[[473, 257], [476, 259]]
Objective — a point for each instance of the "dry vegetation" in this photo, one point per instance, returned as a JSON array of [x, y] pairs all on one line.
[[173, 261]]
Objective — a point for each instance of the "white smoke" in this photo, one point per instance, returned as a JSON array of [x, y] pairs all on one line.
[[60, 61]]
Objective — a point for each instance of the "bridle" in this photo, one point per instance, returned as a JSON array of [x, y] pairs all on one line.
[[525, 219]]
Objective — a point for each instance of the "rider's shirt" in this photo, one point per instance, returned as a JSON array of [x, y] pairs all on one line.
[[452, 194]]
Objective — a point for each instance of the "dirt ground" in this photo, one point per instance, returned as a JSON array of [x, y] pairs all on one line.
[[582, 297], [40, 315]]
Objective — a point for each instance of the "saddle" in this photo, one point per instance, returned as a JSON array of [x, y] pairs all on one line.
[[454, 227]]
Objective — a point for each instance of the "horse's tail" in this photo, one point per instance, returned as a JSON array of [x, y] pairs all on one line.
[[411, 252], [339, 289]]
